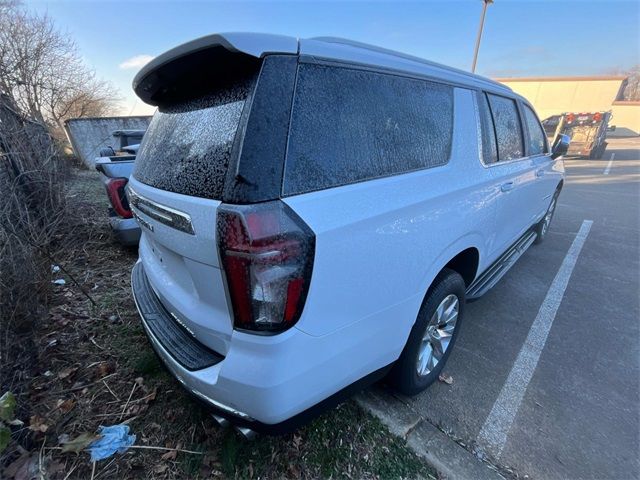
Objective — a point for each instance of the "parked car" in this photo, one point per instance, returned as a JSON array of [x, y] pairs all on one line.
[[316, 213], [127, 140], [587, 131], [116, 167]]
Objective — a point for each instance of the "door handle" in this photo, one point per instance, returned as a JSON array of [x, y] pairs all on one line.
[[540, 173], [506, 187]]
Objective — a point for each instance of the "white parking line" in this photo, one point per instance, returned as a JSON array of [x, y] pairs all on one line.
[[606, 170], [494, 432]]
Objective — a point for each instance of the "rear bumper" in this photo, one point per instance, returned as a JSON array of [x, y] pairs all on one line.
[[126, 230], [269, 384]]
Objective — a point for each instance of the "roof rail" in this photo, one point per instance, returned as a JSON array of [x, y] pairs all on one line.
[[413, 58]]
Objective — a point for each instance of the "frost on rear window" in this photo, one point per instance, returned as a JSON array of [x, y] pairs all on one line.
[[187, 146], [508, 128], [352, 125]]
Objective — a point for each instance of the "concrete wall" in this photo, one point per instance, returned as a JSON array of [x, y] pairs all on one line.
[[554, 95], [89, 135], [626, 118]]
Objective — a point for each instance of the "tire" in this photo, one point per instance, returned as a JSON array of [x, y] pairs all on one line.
[[542, 227], [598, 152], [602, 149], [447, 291]]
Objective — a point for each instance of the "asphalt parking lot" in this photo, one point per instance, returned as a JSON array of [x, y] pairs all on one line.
[[546, 371]]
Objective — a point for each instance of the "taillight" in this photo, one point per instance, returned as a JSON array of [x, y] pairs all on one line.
[[117, 196], [570, 118], [267, 253], [597, 117]]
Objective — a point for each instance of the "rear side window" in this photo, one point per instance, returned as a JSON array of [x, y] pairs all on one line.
[[351, 125], [536, 137], [188, 145], [508, 127]]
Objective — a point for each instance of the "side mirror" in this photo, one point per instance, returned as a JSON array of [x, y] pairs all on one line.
[[560, 146], [612, 128]]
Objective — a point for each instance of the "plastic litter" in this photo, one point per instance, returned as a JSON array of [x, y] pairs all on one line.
[[55, 268], [114, 439], [59, 281]]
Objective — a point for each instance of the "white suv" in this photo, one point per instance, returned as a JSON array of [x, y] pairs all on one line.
[[315, 213]]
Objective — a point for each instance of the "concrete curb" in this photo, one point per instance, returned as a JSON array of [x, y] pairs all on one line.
[[445, 455]]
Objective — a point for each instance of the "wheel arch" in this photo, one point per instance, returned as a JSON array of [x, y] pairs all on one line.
[[466, 264], [463, 256]]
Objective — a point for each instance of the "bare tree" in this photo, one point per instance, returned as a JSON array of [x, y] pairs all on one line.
[[41, 69], [632, 88]]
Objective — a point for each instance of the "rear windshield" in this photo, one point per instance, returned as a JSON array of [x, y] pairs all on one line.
[[187, 146]]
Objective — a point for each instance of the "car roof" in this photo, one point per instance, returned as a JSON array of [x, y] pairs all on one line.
[[259, 45]]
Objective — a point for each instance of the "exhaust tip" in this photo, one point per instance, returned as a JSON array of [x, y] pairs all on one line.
[[247, 433], [223, 422]]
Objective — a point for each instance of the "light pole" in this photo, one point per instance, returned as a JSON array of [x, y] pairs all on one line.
[[475, 53]]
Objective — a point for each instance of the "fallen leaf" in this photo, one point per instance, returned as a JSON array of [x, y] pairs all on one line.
[[160, 468], [37, 424], [105, 368], [65, 406], [448, 379], [5, 438], [23, 468], [152, 396], [170, 455], [67, 372], [7, 406], [79, 443]]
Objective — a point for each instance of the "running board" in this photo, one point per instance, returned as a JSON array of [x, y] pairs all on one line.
[[500, 267]]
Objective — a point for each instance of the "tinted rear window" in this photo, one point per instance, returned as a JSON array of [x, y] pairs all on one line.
[[351, 125], [187, 147]]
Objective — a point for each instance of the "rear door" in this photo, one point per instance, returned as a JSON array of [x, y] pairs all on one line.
[[513, 172]]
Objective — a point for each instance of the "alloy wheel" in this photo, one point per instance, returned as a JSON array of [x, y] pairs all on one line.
[[438, 335]]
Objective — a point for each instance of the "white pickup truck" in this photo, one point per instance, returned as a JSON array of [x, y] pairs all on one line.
[[116, 167]]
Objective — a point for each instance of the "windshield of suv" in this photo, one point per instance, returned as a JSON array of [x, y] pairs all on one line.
[[188, 145]]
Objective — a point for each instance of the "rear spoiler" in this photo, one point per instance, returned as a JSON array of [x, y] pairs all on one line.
[[198, 66]]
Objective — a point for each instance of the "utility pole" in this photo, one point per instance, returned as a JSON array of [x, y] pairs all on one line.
[[475, 53]]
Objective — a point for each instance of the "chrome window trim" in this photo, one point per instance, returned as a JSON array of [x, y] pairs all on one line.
[[480, 141], [167, 215]]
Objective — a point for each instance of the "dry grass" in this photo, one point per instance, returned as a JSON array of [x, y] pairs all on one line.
[[95, 367]]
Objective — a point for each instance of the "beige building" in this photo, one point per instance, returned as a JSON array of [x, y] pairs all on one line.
[[554, 95]]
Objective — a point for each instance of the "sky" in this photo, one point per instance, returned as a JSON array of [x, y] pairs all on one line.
[[521, 38]]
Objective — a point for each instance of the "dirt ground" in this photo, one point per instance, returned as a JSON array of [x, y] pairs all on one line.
[[95, 367]]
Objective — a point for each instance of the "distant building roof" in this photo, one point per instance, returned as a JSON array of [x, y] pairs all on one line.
[[589, 78]]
